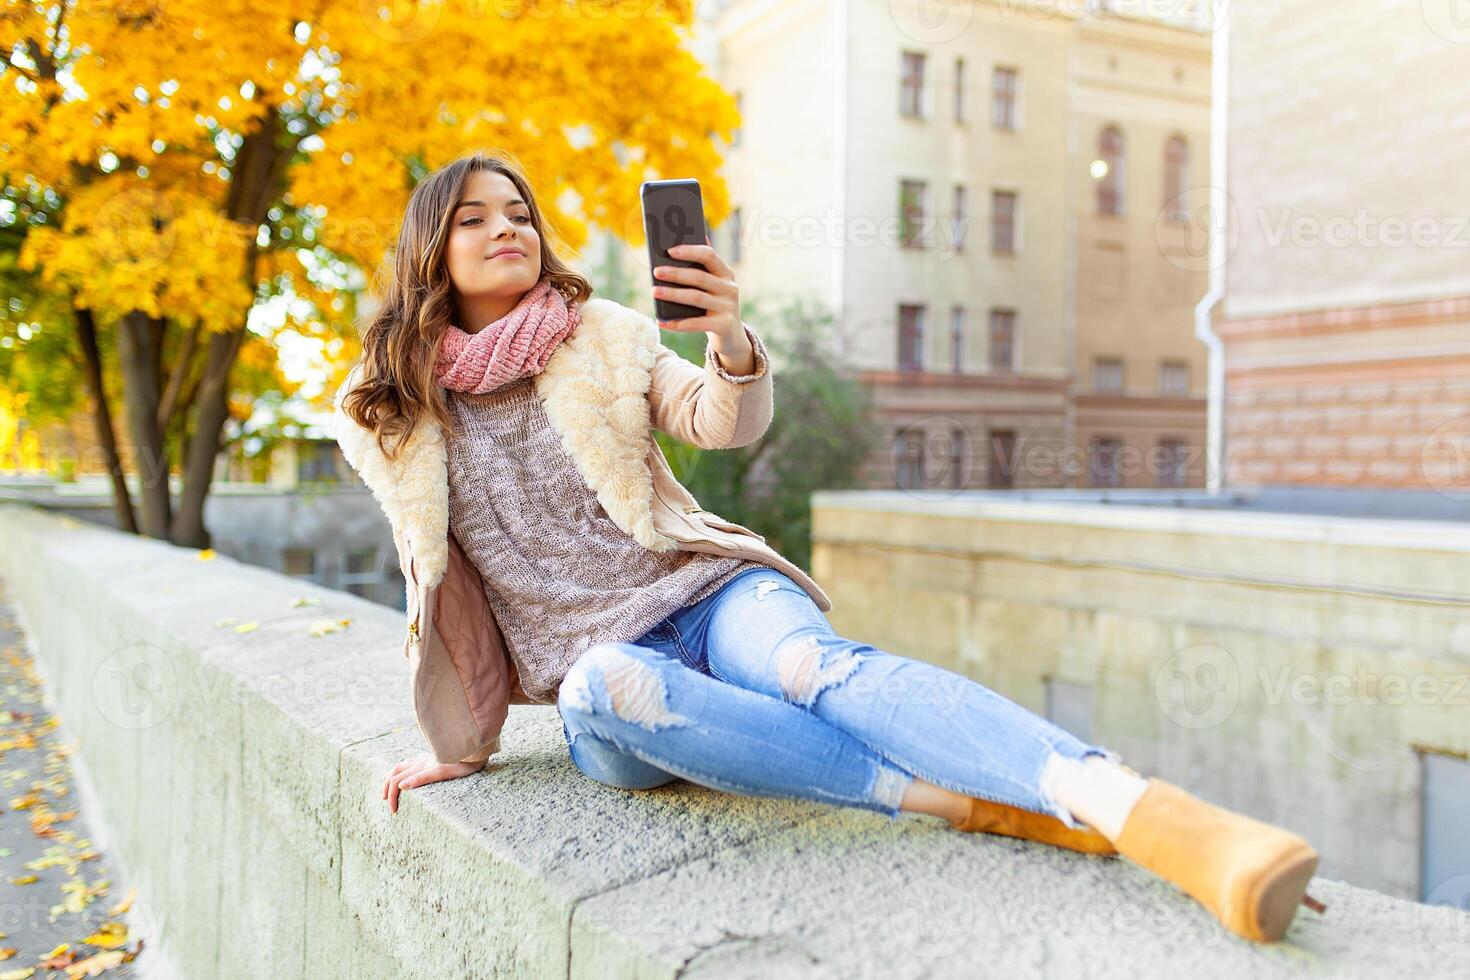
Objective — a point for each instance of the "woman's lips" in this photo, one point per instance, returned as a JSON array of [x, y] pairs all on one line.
[[508, 255]]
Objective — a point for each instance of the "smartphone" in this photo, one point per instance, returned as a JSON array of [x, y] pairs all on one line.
[[673, 214]]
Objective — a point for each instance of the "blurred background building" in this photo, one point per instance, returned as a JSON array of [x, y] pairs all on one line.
[[1345, 316], [999, 210]]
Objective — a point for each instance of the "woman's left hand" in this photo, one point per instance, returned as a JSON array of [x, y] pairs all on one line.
[[712, 288]]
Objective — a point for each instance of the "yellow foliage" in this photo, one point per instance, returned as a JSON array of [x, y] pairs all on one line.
[[591, 97], [130, 244], [20, 449]]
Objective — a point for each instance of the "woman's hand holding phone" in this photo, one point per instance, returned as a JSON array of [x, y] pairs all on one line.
[[713, 289]]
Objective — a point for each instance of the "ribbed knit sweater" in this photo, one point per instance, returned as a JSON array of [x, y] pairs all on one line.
[[559, 575]]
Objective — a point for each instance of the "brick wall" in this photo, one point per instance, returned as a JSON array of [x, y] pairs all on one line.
[[1370, 397]]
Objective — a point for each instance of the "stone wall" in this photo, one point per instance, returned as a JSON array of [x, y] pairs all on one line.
[[1289, 666], [239, 776]]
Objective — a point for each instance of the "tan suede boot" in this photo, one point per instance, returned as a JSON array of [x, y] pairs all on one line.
[[998, 818], [1249, 874]]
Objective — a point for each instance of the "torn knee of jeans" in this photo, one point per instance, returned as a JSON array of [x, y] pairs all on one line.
[[765, 587], [634, 689], [574, 693], [801, 670]]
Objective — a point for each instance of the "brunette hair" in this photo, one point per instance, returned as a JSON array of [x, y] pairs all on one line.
[[401, 341]]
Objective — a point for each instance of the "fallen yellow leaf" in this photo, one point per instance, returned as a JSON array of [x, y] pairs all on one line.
[[122, 907], [206, 554], [110, 935], [324, 626], [93, 965]]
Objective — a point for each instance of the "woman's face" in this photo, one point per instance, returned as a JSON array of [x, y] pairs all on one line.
[[491, 216]]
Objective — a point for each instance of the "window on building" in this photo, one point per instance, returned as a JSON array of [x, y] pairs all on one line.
[[909, 458], [1176, 179], [1444, 847], [1002, 473], [1173, 378], [959, 90], [961, 217], [1069, 706], [317, 461], [299, 563], [1171, 462], [1110, 170], [1002, 340], [1107, 375], [910, 337], [911, 87], [1103, 461], [912, 202], [958, 327], [360, 573], [1003, 91], [1003, 206], [957, 475]]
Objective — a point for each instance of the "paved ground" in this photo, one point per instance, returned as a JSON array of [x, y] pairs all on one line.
[[59, 896]]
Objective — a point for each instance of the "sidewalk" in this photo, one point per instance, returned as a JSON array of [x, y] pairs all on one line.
[[60, 896]]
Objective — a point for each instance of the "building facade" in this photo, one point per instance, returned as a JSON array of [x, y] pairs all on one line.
[[1345, 317], [996, 207]]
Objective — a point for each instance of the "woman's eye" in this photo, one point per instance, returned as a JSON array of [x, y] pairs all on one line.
[[474, 221]]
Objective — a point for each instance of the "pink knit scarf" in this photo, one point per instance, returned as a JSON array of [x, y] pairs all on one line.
[[518, 344]]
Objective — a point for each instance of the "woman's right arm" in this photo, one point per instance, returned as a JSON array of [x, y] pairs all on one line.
[[422, 770]]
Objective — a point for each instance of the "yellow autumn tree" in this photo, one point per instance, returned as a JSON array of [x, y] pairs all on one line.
[[168, 166]]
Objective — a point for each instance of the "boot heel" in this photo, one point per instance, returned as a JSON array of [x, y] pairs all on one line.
[[1280, 893]]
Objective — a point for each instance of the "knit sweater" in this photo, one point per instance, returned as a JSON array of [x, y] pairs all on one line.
[[559, 575]]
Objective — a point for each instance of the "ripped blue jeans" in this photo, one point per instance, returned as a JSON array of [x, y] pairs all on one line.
[[751, 691]]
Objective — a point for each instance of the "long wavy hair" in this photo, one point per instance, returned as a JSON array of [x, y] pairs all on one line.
[[401, 341]]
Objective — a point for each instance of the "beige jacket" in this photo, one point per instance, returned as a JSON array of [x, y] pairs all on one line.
[[605, 388]]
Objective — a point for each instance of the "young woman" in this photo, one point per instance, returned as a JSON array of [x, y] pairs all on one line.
[[550, 558]]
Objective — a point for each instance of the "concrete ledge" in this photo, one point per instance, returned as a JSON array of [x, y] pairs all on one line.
[[1426, 558], [240, 776]]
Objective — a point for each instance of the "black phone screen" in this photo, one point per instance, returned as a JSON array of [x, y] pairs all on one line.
[[673, 214]]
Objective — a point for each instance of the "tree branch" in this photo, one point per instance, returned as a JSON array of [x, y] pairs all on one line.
[[183, 360]]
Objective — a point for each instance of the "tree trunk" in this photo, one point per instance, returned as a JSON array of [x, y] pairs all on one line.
[[258, 178], [203, 447], [122, 501], [150, 455]]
